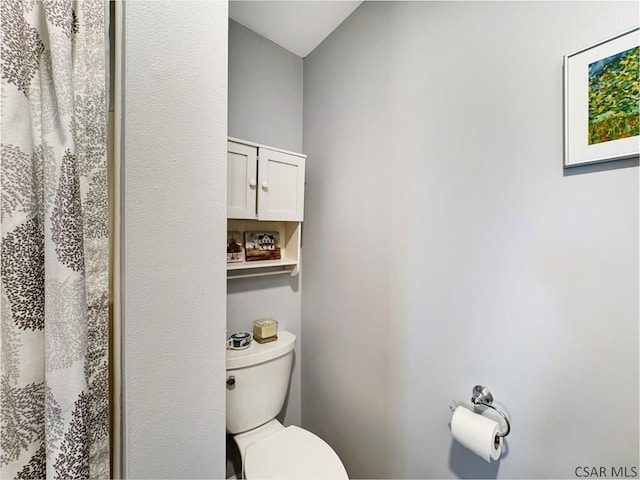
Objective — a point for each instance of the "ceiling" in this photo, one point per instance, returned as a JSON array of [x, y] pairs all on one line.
[[299, 26]]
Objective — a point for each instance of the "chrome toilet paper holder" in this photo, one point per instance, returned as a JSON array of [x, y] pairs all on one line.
[[482, 396]]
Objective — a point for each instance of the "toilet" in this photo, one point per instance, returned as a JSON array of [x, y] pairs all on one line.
[[257, 383]]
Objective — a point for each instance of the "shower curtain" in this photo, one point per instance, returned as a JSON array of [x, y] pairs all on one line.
[[54, 404]]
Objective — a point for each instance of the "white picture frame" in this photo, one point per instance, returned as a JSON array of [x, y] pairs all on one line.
[[586, 140]]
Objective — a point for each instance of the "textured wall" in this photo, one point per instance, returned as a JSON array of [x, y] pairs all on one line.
[[174, 214], [444, 245]]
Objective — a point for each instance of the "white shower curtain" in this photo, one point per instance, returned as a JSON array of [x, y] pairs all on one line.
[[54, 405]]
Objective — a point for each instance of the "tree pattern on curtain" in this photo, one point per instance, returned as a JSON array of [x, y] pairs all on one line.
[[54, 400]]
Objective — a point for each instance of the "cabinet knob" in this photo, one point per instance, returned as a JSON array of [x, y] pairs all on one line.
[[253, 183], [265, 185]]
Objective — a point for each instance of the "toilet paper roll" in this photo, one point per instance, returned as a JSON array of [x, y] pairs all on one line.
[[477, 433]]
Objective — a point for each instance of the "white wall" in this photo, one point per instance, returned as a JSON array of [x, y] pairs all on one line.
[[445, 246], [174, 201]]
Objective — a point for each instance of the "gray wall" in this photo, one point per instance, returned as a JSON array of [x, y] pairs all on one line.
[[265, 91], [444, 246], [265, 106], [174, 218]]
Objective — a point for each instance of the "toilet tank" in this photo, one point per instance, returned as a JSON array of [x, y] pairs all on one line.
[[257, 382]]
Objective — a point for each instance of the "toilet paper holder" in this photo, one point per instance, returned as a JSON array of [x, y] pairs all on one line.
[[482, 396]]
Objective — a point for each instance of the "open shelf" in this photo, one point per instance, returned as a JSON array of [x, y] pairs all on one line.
[[289, 263]]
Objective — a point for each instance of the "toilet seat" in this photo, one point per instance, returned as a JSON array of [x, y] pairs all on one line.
[[292, 453]]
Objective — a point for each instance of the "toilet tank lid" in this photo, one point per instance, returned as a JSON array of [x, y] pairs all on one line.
[[293, 453], [261, 352]]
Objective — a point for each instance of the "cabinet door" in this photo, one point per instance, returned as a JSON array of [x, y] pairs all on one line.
[[242, 178], [280, 186]]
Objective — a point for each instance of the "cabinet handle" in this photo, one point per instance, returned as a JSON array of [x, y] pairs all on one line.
[[265, 185], [253, 183]]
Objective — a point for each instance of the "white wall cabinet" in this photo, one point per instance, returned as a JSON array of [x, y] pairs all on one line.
[[242, 180], [264, 183], [265, 192]]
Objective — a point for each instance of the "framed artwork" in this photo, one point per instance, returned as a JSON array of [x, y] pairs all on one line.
[[235, 248], [602, 101], [262, 246]]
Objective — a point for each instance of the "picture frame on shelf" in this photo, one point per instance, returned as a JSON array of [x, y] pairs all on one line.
[[262, 246], [235, 247], [602, 101]]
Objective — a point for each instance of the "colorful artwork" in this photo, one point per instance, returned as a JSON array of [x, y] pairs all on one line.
[[614, 97]]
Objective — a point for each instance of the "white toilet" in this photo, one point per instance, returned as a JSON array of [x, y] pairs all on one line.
[[257, 382]]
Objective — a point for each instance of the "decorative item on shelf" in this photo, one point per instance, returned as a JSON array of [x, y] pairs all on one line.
[[239, 341], [235, 249], [262, 246], [265, 330]]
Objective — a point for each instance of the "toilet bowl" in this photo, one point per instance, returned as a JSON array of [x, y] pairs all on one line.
[[257, 384], [288, 453]]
